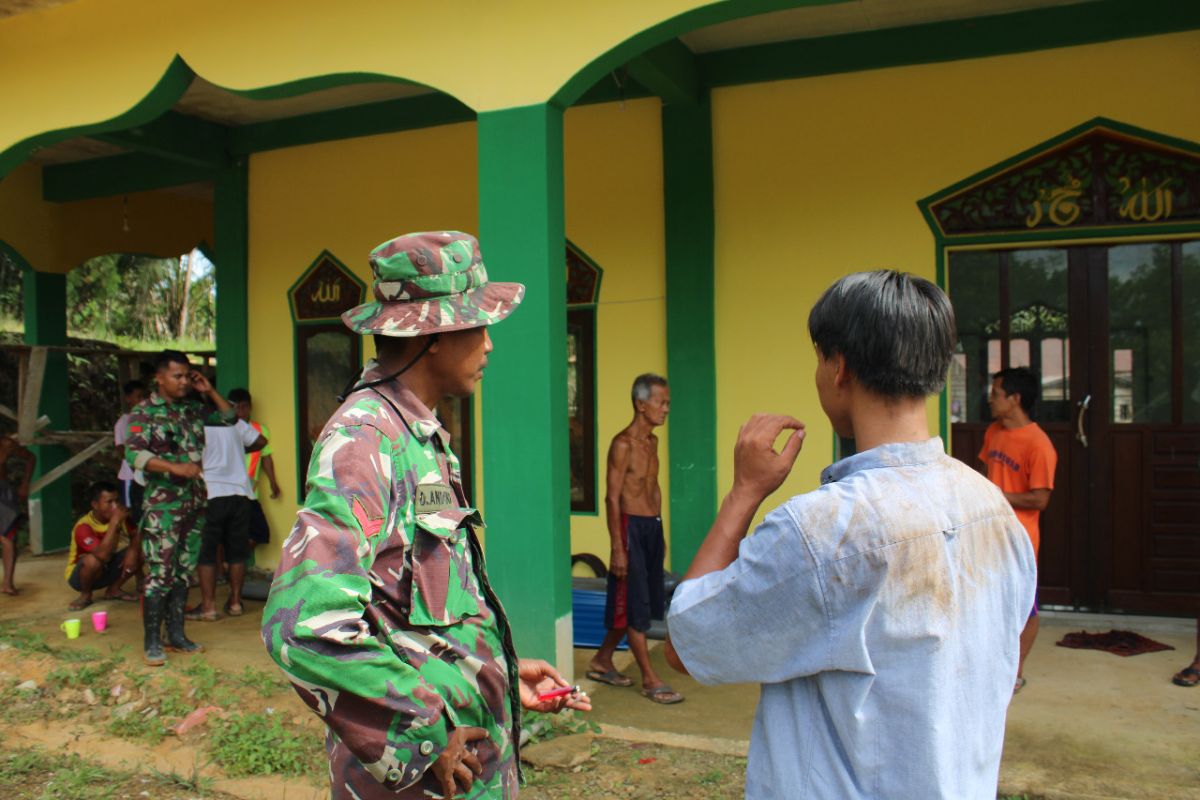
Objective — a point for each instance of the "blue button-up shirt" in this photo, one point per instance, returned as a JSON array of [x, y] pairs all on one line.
[[881, 614]]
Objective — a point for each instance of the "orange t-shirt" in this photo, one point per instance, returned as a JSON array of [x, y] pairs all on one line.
[[1020, 460]]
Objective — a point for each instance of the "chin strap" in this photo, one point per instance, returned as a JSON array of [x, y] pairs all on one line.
[[351, 387]]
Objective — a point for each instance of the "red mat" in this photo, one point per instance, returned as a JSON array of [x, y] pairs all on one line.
[[1121, 643]]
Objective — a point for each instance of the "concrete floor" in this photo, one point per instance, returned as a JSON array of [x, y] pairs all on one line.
[[1088, 725]]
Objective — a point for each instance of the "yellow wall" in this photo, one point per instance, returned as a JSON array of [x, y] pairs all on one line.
[[614, 213], [819, 177], [346, 198], [93, 63], [57, 237]]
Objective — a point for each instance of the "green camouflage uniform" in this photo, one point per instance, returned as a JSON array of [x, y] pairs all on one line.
[[381, 614], [173, 514]]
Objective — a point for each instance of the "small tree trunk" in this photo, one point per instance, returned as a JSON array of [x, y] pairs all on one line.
[[187, 286]]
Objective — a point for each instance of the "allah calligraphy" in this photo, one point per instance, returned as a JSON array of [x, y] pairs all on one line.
[[326, 292], [1136, 203]]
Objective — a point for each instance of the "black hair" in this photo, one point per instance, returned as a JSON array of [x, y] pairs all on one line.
[[98, 488], [1021, 382], [168, 357], [643, 385], [239, 395], [895, 330], [132, 386]]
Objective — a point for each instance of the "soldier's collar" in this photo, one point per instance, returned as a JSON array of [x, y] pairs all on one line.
[[420, 420]]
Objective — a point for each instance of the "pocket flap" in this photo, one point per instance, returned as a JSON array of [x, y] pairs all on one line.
[[445, 522]]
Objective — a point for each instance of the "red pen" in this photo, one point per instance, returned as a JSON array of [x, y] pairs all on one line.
[[559, 693]]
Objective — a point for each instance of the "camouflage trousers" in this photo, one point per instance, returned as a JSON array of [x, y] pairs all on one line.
[[172, 519]]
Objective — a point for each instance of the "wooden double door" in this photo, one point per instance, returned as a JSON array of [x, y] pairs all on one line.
[[1113, 333]]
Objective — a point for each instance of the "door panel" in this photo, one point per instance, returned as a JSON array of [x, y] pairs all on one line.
[[1122, 531]]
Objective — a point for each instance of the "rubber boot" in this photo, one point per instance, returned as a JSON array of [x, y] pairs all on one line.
[[152, 618], [176, 641]]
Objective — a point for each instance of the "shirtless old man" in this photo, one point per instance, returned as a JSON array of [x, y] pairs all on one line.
[[634, 506]]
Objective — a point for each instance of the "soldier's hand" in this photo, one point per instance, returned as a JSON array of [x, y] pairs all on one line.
[[188, 470], [757, 469], [618, 563], [537, 677], [458, 765], [199, 382]]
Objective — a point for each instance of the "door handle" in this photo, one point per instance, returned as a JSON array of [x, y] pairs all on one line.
[[1083, 404]]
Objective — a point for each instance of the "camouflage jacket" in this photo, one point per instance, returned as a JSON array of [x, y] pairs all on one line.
[[171, 431], [381, 614]]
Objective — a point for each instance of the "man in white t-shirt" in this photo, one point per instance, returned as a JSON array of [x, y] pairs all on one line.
[[131, 483], [227, 517]]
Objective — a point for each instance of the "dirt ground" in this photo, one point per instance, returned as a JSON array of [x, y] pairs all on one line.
[[1089, 724]]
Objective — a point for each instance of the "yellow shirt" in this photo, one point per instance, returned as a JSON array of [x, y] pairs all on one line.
[[87, 535]]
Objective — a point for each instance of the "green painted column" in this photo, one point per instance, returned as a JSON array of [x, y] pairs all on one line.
[[45, 309], [691, 360], [231, 211], [525, 461]]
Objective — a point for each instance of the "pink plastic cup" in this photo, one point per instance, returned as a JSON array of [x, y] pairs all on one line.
[[100, 620]]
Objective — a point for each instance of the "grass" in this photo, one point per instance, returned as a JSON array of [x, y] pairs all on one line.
[[32, 773], [542, 727], [260, 744], [260, 680]]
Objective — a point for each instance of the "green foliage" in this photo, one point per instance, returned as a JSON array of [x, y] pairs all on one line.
[[204, 678], [264, 682], [259, 744], [195, 782], [542, 726], [12, 282], [710, 778], [136, 727], [77, 779], [23, 639], [164, 288], [95, 675], [172, 702]]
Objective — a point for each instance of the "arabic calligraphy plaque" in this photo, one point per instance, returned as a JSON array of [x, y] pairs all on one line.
[[1100, 178], [325, 292]]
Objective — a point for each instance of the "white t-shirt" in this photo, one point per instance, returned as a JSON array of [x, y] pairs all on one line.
[[225, 459]]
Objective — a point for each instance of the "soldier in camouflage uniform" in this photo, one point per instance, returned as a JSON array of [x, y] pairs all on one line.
[[166, 441], [381, 613]]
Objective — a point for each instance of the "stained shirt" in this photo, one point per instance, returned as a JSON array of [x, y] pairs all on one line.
[[380, 612], [881, 613], [225, 459], [173, 432]]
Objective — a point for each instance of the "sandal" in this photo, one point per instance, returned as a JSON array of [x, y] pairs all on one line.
[[79, 605], [1019, 685], [196, 615], [1181, 677], [611, 677], [126, 596], [234, 611], [663, 695]]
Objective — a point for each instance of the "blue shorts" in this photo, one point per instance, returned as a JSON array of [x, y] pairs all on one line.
[[639, 597]]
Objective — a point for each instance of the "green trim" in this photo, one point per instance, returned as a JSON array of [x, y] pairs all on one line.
[[177, 137], [325, 254], [116, 175], [389, 116], [526, 468], [669, 71], [691, 332], [635, 45], [46, 323], [231, 224], [952, 40], [164, 94]]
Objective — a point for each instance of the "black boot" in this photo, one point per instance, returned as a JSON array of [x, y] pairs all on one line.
[[152, 618], [176, 641]]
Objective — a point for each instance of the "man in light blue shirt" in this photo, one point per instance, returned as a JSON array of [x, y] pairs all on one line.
[[881, 612]]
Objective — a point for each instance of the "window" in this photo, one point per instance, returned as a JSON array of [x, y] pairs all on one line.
[[583, 291]]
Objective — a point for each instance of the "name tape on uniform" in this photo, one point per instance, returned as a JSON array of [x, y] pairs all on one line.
[[433, 497]]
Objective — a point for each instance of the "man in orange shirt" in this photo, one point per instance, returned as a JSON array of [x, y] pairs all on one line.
[[1020, 460]]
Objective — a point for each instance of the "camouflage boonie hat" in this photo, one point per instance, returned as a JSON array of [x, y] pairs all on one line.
[[431, 283]]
